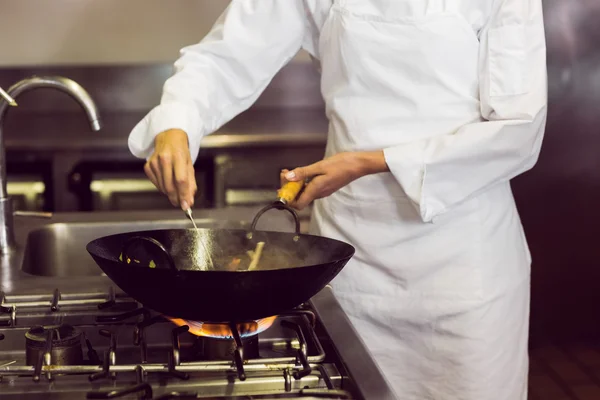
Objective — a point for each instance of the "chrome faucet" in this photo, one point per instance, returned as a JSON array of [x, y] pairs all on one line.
[[72, 88], [6, 96]]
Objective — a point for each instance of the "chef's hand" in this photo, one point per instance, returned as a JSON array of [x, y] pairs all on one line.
[[170, 168], [333, 173]]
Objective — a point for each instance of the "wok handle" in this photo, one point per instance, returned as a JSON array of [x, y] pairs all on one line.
[[289, 192], [155, 242], [278, 206]]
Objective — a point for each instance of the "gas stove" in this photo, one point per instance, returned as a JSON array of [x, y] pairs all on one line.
[[105, 345]]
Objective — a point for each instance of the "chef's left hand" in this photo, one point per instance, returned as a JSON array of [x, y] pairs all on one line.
[[333, 173]]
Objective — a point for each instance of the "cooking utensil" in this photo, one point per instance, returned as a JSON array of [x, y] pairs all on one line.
[[188, 213], [166, 270]]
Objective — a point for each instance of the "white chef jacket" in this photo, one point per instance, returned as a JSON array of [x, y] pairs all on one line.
[[226, 72], [442, 307]]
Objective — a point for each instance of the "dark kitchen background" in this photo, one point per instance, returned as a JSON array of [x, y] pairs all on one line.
[[121, 53]]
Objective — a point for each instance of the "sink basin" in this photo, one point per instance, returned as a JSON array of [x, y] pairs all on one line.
[[59, 249]]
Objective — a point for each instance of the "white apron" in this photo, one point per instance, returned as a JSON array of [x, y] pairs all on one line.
[[443, 306]]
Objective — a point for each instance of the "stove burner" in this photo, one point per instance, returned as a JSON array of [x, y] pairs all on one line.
[[65, 346], [217, 342], [223, 331], [217, 349]]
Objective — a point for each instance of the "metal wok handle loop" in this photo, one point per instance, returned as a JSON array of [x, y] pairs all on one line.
[[155, 242], [278, 206]]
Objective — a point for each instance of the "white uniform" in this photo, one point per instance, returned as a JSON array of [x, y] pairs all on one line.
[[455, 93]]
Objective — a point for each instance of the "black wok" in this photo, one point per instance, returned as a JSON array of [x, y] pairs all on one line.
[[170, 271]]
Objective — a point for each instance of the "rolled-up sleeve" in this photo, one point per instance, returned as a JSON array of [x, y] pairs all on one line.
[[225, 73], [443, 172]]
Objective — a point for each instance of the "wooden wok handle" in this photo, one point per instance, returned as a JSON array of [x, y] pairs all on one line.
[[288, 193], [154, 242]]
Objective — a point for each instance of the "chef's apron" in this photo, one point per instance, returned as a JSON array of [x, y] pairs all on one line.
[[442, 306]]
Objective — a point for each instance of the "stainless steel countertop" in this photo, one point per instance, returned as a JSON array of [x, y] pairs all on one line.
[[352, 350], [67, 131]]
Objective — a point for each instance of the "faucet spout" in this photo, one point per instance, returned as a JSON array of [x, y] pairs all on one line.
[[6, 96], [65, 85]]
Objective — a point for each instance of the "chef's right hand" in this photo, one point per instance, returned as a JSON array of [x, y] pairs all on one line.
[[170, 168]]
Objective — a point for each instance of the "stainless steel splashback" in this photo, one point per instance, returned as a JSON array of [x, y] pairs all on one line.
[[137, 88]]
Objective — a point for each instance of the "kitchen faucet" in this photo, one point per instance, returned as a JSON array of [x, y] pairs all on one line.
[[7, 97], [72, 88]]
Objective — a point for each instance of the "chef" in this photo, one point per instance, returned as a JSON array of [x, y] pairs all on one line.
[[433, 107]]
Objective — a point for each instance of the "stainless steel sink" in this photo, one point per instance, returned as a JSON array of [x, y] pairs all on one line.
[[59, 249]]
